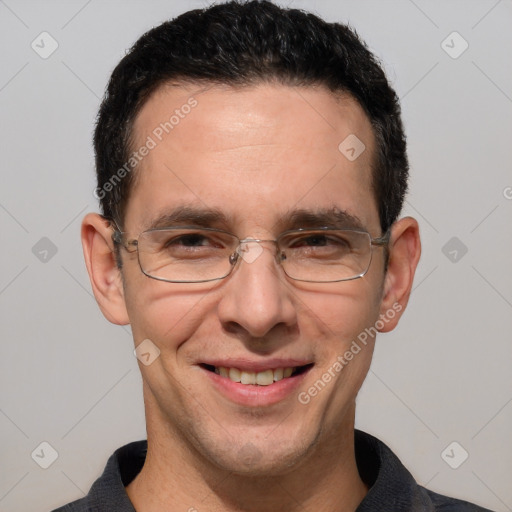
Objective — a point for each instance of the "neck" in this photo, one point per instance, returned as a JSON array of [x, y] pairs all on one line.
[[176, 477]]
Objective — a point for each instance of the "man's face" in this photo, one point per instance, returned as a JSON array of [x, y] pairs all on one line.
[[257, 155]]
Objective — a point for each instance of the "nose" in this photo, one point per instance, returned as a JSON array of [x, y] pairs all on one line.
[[257, 296]]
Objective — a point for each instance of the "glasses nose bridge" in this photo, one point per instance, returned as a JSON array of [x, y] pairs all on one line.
[[257, 240], [242, 244], [249, 254]]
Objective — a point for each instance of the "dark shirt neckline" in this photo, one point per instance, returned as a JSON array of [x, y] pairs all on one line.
[[391, 487]]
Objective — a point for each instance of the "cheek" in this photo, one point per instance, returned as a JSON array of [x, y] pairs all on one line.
[[165, 313], [341, 311]]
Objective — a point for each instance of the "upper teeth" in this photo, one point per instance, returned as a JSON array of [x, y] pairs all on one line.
[[264, 378]]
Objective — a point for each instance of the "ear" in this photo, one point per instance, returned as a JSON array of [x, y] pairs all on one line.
[[105, 277], [404, 254]]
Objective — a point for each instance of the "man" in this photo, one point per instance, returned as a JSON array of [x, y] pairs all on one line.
[[251, 171]]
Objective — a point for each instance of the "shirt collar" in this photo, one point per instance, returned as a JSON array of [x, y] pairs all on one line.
[[391, 486]]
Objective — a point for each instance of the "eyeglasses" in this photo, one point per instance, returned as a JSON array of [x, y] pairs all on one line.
[[198, 255]]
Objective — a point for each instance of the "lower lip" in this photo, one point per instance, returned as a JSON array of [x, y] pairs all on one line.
[[254, 395]]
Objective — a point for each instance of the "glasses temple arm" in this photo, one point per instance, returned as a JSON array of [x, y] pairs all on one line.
[[382, 240]]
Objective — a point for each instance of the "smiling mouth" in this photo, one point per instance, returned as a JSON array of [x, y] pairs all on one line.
[[264, 378]]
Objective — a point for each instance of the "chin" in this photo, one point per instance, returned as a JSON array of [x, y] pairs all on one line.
[[263, 457]]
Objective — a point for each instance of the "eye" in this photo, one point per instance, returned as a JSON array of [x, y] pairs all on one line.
[[190, 240], [319, 240], [312, 240], [185, 243], [324, 247]]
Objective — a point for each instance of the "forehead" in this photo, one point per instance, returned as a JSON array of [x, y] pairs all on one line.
[[253, 152]]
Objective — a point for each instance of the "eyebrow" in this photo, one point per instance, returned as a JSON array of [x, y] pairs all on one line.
[[321, 217], [191, 216], [293, 219]]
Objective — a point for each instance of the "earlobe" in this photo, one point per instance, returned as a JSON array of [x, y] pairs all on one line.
[[404, 254], [101, 265]]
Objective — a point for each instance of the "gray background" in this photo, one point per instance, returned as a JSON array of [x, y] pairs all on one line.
[[69, 378]]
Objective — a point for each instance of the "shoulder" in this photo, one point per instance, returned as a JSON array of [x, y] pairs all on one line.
[[108, 491], [80, 505], [446, 504], [391, 485]]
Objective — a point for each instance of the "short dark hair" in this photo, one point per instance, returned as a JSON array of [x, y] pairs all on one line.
[[246, 43]]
